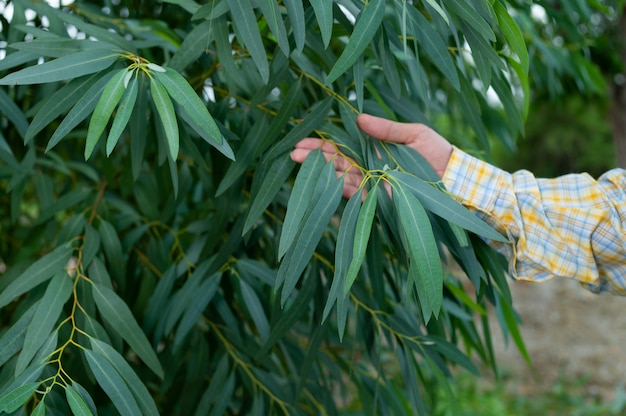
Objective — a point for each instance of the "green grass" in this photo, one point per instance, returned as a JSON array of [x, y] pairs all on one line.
[[567, 397]]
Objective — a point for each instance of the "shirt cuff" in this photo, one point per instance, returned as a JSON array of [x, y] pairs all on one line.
[[473, 182]]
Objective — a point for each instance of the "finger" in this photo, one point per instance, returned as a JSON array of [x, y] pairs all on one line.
[[386, 130]]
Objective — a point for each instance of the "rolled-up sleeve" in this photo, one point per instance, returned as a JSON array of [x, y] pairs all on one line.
[[572, 226]]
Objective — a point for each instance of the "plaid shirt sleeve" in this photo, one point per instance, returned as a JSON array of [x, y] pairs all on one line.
[[571, 226]]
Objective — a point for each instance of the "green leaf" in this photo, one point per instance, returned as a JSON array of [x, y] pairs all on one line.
[[255, 309], [324, 13], [140, 392], [442, 205], [361, 237], [16, 59], [85, 397], [344, 249], [180, 90], [83, 107], [15, 399], [9, 109], [364, 30], [40, 409], [76, 402], [40, 271], [66, 67], [311, 122], [245, 156], [274, 20], [194, 310], [60, 102], [112, 384], [300, 198], [122, 115], [69, 200], [290, 316], [165, 109], [115, 311], [426, 270], [439, 10], [465, 11], [274, 180], [245, 22], [13, 339], [111, 96], [112, 247], [434, 47], [56, 47], [298, 256], [512, 34], [194, 45], [46, 315], [295, 10]]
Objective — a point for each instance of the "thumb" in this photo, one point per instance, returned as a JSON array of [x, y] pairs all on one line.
[[386, 130]]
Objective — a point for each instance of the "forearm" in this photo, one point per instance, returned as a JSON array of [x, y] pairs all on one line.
[[572, 226]]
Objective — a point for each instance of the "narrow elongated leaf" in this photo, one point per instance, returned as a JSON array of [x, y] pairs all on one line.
[[40, 409], [13, 339], [440, 204], [16, 398], [180, 90], [59, 103], [324, 14], [277, 175], [115, 311], [344, 249], [16, 59], [66, 67], [290, 316], [10, 110], [111, 95], [112, 384], [70, 199], [124, 111], [434, 46], [167, 116], [299, 255], [439, 10], [422, 250], [465, 11], [40, 271], [47, 313], [311, 122], [512, 34], [245, 156], [245, 21], [275, 22], [140, 392], [83, 107], [56, 47], [201, 300], [255, 308], [300, 198], [112, 247], [194, 45], [77, 404], [295, 10], [223, 147], [361, 237], [364, 30]]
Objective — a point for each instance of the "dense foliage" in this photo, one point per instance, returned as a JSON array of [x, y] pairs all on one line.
[[164, 255]]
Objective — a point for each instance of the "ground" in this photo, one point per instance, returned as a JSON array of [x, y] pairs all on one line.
[[569, 333]]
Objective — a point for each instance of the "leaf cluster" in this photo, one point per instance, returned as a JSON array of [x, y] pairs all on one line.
[[163, 253]]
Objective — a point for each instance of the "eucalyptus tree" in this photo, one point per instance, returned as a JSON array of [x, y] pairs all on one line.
[[163, 254]]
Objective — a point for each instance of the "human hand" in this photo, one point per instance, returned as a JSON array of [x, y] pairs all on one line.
[[434, 148]]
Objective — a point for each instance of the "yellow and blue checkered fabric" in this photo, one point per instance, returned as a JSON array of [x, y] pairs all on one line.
[[572, 226]]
